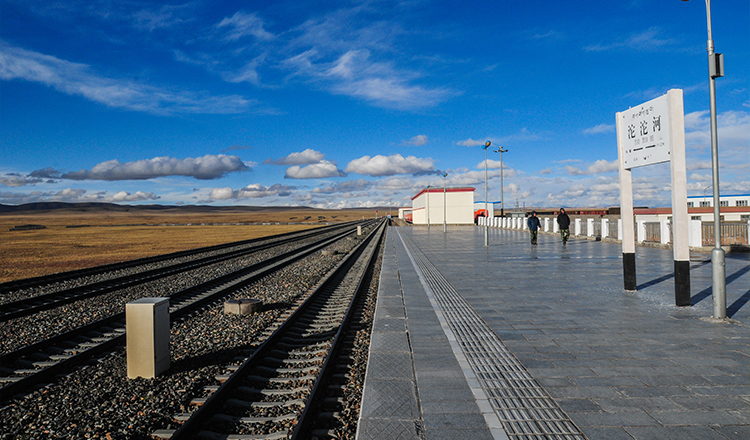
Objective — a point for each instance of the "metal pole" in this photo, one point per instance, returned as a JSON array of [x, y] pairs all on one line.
[[445, 210], [718, 264], [428, 208], [502, 201], [486, 211]]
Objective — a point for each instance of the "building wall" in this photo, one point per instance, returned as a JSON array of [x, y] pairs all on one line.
[[455, 206], [708, 200]]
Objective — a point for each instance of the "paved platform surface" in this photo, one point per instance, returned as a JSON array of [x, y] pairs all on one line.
[[514, 341]]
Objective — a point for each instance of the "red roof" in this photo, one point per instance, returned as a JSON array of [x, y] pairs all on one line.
[[439, 190]]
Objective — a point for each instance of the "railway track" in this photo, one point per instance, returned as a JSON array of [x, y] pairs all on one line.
[[277, 391], [37, 282], [30, 306], [36, 364]]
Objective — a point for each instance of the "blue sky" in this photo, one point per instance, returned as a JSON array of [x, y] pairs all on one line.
[[339, 104]]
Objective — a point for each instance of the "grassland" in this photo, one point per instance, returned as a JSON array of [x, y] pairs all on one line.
[[75, 238]]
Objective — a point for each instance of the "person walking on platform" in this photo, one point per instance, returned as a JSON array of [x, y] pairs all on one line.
[[534, 224], [564, 221]]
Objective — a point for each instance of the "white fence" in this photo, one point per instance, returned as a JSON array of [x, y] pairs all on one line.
[[700, 234]]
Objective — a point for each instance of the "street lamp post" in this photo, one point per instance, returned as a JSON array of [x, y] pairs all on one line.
[[718, 265], [428, 208], [445, 210], [502, 202], [486, 212]]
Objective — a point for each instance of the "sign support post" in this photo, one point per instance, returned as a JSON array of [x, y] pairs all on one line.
[[680, 219], [651, 133]]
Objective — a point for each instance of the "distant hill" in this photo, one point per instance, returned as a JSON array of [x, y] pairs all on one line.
[[113, 207], [42, 207]]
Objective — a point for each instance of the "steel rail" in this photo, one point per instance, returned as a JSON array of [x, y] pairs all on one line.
[[29, 306], [189, 300], [192, 425], [33, 282]]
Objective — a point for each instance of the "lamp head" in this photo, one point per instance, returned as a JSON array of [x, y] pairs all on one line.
[[487, 145]]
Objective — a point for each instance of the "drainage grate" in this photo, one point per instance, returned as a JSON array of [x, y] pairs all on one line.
[[524, 408]]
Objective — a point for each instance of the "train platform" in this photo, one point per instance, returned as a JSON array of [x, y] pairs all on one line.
[[514, 341]]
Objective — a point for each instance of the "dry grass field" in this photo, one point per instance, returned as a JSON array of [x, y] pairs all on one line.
[[75, 238]]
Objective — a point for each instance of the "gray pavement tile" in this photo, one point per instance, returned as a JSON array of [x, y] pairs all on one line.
[[742, 415], [695, 371], [460, 391], [449, 407], [583, 392], [734, 390], [554, 381], [674, 433], [561, 372], [712, 403], [459, 434], [575, 329], [686, 418], [646, 391], [441, 421], [389, 398], [604, 419], [389, 341], [387, 365], [593, 363], [578, 405], [733, 432], [438, 373], [389, 325], [609, 381], [607, 434], [532, 363], [674, 380], [440, 383], [626, 404], [389, 428]]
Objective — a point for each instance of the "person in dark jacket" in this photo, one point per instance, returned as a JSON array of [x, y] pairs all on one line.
[[534, 224], [564, 221]]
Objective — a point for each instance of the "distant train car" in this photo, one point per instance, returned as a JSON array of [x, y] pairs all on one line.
[[479, 213], [408, 217]]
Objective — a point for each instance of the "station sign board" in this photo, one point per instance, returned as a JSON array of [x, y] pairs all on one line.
[[645, 138]]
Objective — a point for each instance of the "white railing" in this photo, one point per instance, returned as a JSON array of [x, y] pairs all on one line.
[[699, 233]]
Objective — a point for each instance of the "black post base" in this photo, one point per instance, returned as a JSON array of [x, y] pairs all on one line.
[[628, 271], [682, 283]]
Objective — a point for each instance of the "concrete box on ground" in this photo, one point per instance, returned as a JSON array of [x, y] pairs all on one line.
[[147, 328]]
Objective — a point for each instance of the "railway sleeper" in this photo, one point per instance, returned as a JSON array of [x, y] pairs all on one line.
[[276, 404], [210, 435], [271, 392], [310, 369], [281, 380], [249, 420]]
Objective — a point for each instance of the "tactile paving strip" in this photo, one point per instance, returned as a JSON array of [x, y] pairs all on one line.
[[524, 408]]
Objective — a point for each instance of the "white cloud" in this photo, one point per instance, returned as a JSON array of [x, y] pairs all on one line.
[[390, 165], [138, 196], [16, 180], [648, 40], [242, 25], [306, 157], [344, 187], [204, 168], [601, 128], [598, 167], [321, 170], [470, 143], [252, 191], [78, 80], [417, 141], [222, 194], [75, 195]]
